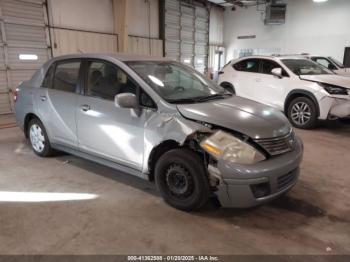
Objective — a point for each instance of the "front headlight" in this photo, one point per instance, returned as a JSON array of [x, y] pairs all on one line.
[[224, 146], [334, 90]]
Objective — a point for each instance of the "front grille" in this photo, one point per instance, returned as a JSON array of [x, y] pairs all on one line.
[[285, 180], [277, 145]]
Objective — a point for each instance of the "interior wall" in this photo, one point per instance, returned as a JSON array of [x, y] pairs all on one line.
[[316, 28], [143, 18], [90, 15], [83, 26]]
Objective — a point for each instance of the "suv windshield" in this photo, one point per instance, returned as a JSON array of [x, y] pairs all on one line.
[[177, 83], [304, 67]]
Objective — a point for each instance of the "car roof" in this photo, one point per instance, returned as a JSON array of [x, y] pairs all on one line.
[[273, 57], [119, 56]]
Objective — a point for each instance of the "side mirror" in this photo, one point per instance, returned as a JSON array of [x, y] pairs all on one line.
[[332, 67], [126, 100], [277, 72]]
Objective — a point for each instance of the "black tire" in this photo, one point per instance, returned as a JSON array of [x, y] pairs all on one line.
[[47, 150], [310, 113], [176, 168]]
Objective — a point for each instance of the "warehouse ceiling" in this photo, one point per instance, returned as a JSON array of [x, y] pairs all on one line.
[[240, 3]]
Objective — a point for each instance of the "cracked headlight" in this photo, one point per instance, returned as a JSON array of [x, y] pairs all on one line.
[[224, 146]]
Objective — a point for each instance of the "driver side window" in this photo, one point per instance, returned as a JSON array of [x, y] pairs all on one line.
[[324, 62], [105, 80]]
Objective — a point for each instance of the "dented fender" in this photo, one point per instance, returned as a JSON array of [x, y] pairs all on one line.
[[162, 127]]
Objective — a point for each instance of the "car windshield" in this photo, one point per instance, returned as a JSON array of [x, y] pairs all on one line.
[[305, 67], [177, 83], [335, 61]]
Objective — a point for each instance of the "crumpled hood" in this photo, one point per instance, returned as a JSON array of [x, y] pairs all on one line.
[[336, 80], [239, 114]]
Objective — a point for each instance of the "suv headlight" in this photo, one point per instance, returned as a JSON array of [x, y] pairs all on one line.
[[334, 90], [224, 146]]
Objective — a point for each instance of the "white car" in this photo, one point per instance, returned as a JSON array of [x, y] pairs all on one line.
[[330, 63], [301, 88]]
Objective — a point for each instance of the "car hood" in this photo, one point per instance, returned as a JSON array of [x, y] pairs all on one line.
[[328, 79], [239, 114], [343, 72]]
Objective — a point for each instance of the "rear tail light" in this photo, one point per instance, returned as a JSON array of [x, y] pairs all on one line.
[[15, 95]]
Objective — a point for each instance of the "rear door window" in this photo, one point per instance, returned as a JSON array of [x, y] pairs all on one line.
[[66, 76], [248, 65]]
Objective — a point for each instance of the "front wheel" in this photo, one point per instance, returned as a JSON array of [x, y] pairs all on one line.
[[182, 180], [302, 113]]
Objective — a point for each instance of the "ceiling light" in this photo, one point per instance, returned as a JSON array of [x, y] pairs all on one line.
[[320, 1], [28, 57]]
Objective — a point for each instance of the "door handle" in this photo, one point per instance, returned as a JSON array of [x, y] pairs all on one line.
[[43, 98], [85, 108], [258, 80]]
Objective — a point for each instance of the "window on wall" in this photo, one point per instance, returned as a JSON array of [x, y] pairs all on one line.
[[66, 76], [248, 65]]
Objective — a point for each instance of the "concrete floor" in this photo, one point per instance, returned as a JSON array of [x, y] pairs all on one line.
[[129, 217]]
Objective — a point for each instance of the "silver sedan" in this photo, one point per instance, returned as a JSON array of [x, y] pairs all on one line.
[[163, 121]]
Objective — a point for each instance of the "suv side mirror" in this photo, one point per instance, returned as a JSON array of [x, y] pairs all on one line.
[[126, 100], [332, 67], [277, 72]]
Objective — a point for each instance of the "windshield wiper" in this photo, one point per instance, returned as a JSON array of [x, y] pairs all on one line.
[[212, 97], [182, 100], [199, 99]]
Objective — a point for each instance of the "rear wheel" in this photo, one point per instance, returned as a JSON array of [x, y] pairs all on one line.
[[38, 138], [302, 113], [181, 178]]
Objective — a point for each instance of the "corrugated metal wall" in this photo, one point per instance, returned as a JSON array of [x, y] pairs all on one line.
[[186, 33], [23, 32]]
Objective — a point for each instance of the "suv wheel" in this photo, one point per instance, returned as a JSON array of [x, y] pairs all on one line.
[[182, 180], [38, 138], [302, 113]]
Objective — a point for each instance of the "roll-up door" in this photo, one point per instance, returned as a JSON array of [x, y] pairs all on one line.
[[186, 31], [24, 45]]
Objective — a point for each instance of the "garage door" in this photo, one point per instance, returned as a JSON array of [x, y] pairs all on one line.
[[186, 33], [23, 45]]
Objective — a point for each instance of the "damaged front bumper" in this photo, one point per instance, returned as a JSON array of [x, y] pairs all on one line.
[[247, 186], [334, 107]]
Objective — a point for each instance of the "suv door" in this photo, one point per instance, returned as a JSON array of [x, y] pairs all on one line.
[[247, 71], [115, 134], [57, 99], [270, 89]]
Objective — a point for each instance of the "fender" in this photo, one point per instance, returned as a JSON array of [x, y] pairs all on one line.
[[301, 92]]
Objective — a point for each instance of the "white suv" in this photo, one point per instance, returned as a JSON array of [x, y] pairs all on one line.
[[301, 88]]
